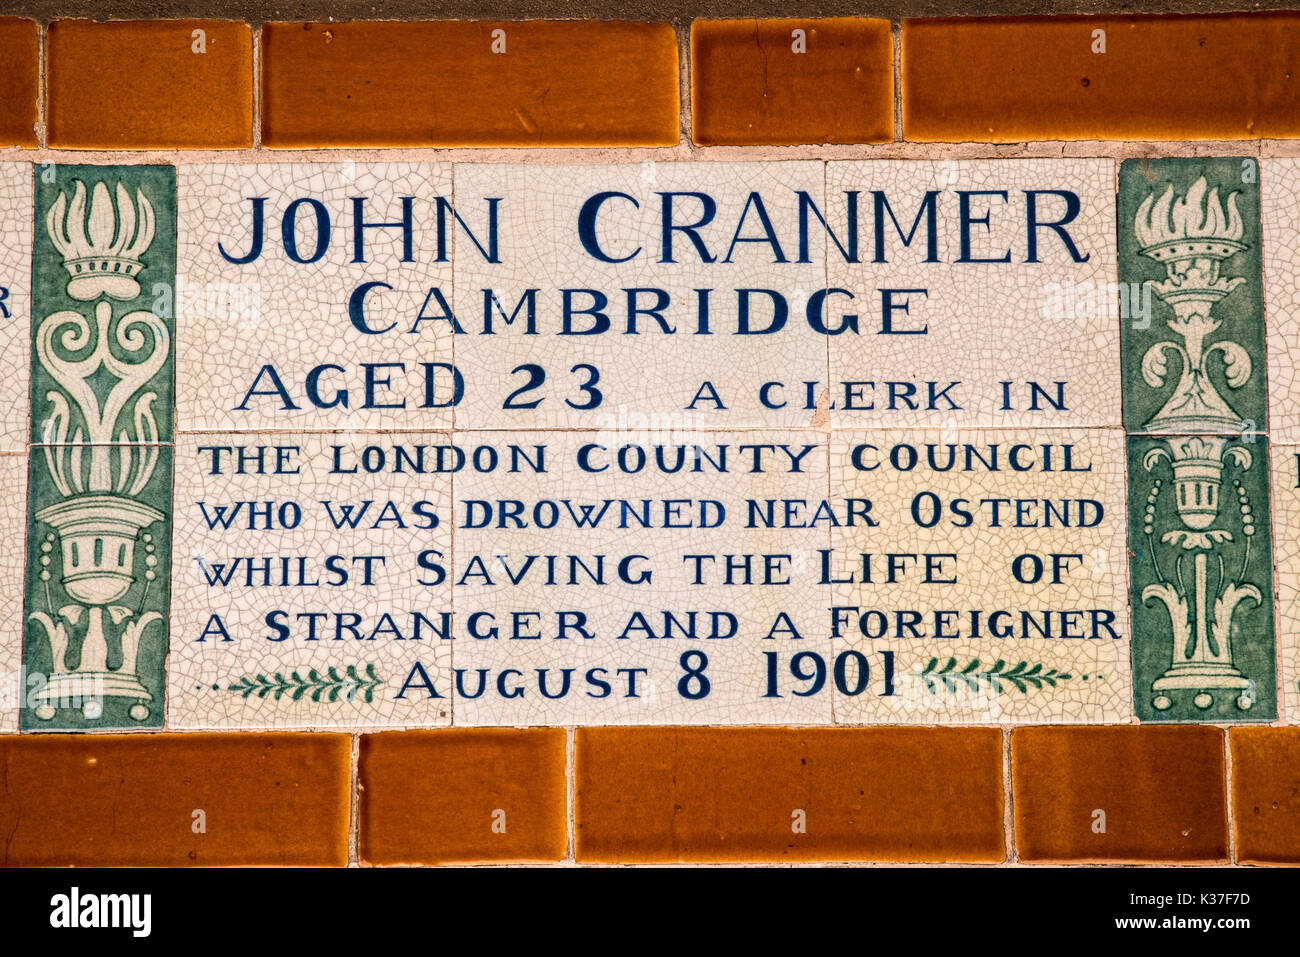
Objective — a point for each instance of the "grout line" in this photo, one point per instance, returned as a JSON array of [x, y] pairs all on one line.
[[686, 116], [1271, 459], [1008, 802], [42, 44], [570, 750], [354, 859], [896, 35], [628, 155], [257, 86], [1227, 801]]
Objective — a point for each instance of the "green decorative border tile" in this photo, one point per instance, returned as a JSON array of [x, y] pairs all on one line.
[[104, 243], [1190, 270], [98, 592], [1200, 543], [1195, 408], [99, 487]]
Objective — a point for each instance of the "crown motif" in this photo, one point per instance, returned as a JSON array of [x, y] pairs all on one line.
[[102, 250]]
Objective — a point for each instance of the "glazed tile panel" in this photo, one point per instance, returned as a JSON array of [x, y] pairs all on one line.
[[303, 597], [1001, 595], [15, 304], [385, 445], [100, 469], [1011, 79], [298, 278], [659, 294], [988, 285], [13, 477], [1196, 410], [694, 611], [15, 350]]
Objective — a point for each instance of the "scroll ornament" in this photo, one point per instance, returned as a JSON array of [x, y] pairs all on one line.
[[1202, 570], [100, 449]]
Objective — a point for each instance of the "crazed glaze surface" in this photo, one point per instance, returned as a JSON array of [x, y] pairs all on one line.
[[660, 443], [649, 445]]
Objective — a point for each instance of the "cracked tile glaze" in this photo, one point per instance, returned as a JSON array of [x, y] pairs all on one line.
[[308, 591], [13, 520], [1194, 383], [15, 359], [99, 502], [714, 248], [965, 294], [15, 301], [667, 638], [1280, 215], [319, 328], [94, 665], [1286, 533], [989, 582], [701, 594], [1189, 237]]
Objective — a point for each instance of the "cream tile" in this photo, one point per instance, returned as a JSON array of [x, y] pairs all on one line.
[[272, 648], [15, 302], [1280, 215], [651, 377], [985, 323], [234, 321], [1286, 538], [13, 528], [972, 566], [487, 552]]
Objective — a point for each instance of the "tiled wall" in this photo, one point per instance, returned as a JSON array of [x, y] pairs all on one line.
[[1087, 92]]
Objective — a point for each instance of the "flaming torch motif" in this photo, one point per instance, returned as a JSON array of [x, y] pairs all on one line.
[[99, 451], [1201, 570]]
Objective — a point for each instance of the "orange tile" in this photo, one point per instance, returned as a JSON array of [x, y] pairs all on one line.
[[20, 54], [141, 84], [739, 794], [1266, 794], [563, 83], [1160, 789], [1160, 78], [133, 800], [434, 797], [749, 85]]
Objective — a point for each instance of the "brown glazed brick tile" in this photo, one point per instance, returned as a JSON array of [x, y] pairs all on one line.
[[437, 797], [1161, 790], [1266, 794], [129, 800], [20, 54], [1161, 78], [561, 83], [140, 84], [735, 794], [749, 86]]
